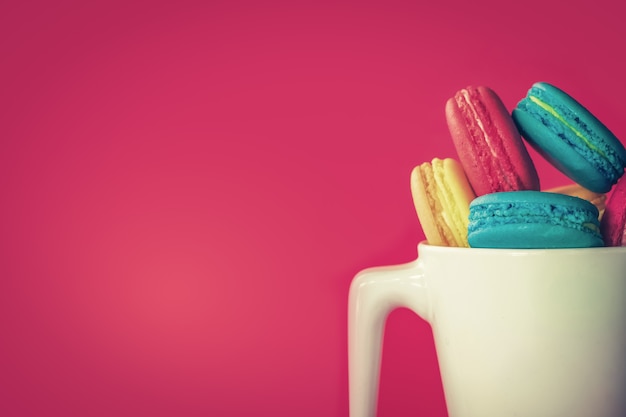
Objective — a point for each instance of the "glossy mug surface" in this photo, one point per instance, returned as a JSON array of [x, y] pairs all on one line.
[[525, 333]]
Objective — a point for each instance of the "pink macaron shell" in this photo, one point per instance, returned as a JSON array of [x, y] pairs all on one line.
[[614, 217], [488, 143]]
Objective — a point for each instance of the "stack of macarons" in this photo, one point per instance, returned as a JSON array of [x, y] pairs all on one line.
[[491, 196]]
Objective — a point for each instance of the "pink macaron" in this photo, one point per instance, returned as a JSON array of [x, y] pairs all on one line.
[[488, 143], [613, 225]]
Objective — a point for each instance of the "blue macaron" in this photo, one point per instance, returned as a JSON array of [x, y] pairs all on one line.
[[570, 137], [533, 220]]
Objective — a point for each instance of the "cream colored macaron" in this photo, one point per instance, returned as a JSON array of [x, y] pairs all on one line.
[[442, 195]]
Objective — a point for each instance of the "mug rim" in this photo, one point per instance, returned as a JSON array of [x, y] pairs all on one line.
[[424, 245]]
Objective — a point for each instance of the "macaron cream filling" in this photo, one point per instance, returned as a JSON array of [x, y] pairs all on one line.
[[451, 215]]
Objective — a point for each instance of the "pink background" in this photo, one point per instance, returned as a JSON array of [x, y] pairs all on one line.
[[188, 188]]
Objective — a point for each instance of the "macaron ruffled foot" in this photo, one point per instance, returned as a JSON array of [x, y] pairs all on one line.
[[576, 190]]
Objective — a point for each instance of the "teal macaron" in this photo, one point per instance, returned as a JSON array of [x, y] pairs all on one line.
[[570, 137], [533, 220]]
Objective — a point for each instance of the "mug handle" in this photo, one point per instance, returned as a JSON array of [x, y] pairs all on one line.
[[374, 293]]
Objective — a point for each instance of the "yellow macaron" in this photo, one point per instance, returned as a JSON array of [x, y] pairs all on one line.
[[442, 195]]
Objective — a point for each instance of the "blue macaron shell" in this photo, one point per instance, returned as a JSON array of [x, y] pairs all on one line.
[[596, 160], [533, 220]]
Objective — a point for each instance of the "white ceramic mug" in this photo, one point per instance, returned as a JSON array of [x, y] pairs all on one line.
[[524, 333]]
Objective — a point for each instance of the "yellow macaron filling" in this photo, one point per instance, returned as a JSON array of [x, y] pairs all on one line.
[[454, 213], [560, 118]]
